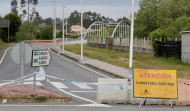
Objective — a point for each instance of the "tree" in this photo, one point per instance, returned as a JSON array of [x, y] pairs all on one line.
[[38, 20], [169, 10], [30, 7], [15, 23], [46, 33], [48, 21], [14, 6], [22, 34], [146, 17], [125, 19]]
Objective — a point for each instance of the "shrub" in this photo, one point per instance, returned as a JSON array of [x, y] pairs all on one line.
[[41, 98]]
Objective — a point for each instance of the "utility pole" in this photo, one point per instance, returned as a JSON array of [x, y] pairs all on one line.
[[54, 24], [63, 28], [131, 49], [81, 31], [28, 18]]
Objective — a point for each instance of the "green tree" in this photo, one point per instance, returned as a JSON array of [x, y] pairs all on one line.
[[174, 29], [46, 33], [125, 19], [31, 4], [145, 18], [22, 34], [15, 23], [169, 10], [14, 7]]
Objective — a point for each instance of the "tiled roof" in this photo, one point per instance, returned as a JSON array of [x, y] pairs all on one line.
[[75, 27]]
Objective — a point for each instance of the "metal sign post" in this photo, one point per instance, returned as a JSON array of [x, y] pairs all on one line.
[[22, 57], [40, 58]]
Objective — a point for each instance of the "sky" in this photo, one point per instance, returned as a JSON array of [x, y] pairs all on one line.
[[108, 8]]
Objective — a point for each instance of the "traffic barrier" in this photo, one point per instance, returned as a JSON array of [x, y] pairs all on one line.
[[111, 94]]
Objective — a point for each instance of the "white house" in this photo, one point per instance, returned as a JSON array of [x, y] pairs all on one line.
[[77, 29]]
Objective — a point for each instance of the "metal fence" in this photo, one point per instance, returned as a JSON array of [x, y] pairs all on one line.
[[169, 49]]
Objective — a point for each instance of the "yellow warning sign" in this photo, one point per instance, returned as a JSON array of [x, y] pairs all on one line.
[[155, 83]]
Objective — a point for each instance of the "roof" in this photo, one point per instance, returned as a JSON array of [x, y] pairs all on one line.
[[185, 32], [76, 27]]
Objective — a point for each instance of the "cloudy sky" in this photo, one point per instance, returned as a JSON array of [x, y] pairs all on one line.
[[109, 8]]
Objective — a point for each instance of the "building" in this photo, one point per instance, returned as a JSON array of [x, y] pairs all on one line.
[[77, 29]]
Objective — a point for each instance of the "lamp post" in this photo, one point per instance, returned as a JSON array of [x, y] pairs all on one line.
[[81, 31], [131, 48], [54, 24], [63, 29]]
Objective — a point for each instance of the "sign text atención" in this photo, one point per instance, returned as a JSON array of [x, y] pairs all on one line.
[[155, 83]]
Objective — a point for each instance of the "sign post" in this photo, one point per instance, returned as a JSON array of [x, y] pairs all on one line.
[[155, 83], [40, 58]]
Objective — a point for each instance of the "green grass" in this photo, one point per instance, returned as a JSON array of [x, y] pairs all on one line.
[[3, 45], [139, 61]]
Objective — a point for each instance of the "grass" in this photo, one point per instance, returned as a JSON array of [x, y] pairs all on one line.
[[3, 45], [139, 61]]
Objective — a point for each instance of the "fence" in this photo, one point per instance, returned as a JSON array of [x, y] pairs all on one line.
[[169, 49], [142, 45]]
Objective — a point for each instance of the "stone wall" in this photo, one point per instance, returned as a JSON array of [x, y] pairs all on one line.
[[186, 46], [141, 46]]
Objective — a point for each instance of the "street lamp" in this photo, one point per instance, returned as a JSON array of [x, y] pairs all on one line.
[[63, 29], [54, 24], [66, 18], [81, 31], [131, 47]]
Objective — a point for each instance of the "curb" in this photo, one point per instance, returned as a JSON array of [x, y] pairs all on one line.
[[33, 100]]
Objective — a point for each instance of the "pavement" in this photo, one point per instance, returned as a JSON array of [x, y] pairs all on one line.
[[103, 66]]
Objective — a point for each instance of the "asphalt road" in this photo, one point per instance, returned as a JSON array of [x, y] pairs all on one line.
[[66, 69]]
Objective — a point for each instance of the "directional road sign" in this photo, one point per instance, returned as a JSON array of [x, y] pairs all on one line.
[[40, 58]]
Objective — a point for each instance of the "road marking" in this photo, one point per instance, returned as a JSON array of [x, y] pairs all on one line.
[[37, 83], [86, 105], [38, 77], [79, 64], [95, 105], [73, 95], [84, 91], [59, 85], [82, 86], [4, 55]]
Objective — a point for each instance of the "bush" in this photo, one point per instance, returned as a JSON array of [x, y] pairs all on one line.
[[41, 98], [23, 33], [156, 36], [73, 36], [46, 33]]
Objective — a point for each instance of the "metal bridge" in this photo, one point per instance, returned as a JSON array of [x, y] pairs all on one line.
[[108, 30]]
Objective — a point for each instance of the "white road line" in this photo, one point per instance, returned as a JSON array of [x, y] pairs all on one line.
[[68, 93], [82, 86], [4, 55], [38, 77], [37, 83], [59, 85], [84, 91], [80, 64], [36, 105]]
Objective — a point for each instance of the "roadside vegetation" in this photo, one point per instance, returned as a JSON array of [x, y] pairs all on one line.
[[139, 61]]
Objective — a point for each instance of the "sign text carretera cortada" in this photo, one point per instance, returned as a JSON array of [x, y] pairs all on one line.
[[40, 58], [155, 83]]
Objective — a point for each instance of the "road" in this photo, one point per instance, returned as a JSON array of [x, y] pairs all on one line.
[[70, 70]]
